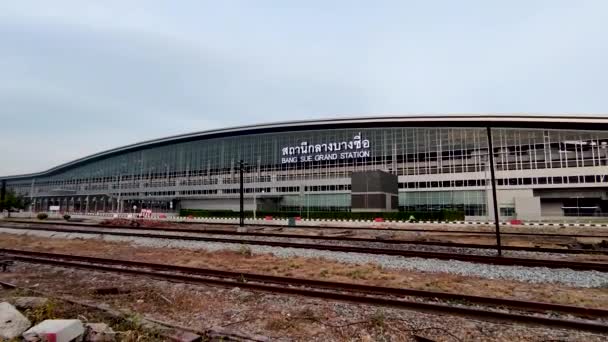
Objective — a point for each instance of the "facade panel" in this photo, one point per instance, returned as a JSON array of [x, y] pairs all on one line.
[[438, 167]]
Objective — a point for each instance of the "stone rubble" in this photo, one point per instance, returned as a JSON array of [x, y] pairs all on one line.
[[12, 322], [29, 302], [98, 332]]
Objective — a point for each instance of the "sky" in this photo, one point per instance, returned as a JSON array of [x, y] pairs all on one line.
[[78, 77]]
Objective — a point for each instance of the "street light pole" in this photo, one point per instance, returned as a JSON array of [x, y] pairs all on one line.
[[307, 205], [242, 204], [496, 218]]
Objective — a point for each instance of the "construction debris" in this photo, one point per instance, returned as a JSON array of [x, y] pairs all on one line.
[[12, 322]]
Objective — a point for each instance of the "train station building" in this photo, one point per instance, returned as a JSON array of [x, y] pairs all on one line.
[[546, 168]]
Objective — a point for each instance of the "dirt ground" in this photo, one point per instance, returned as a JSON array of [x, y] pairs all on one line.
[[278, 317], [315, 268], [126, 329]]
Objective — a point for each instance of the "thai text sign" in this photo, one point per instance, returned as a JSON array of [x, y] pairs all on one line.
[[355, 148]]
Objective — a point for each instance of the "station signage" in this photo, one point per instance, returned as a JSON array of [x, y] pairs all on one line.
[[305, 152]]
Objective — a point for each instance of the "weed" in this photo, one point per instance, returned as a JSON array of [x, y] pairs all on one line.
[[307, 314], [132, 330], [43, 312], [435, 285], [357, 274], [245, 251], [324, 273], [378, 319], [280, 324]]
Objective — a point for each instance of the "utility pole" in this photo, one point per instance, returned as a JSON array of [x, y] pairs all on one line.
[[242, 203], [3, 190], [2, 197], [32, 204], [255, 203], [119, 202], [492, 175]]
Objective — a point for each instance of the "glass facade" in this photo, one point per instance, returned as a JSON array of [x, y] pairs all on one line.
[[438, 168]]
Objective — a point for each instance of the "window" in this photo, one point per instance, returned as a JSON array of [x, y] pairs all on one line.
[[509, 211]]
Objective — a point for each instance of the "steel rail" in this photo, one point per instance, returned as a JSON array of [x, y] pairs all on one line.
[[493, 260], [330, 238], [349, 239], [376, 229], [355, 292]]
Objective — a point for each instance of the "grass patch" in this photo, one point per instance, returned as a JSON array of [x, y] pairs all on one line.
[[245, 250]]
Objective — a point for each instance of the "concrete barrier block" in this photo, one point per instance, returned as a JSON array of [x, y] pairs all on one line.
[[12, 322], [55, 330]]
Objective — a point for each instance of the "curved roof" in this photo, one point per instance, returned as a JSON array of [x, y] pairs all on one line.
[[503, 121]]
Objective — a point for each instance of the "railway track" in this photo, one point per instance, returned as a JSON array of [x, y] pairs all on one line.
[[340, 238], [488, 308], [374, 229], [494, 260], [420, 230], [369, 240]]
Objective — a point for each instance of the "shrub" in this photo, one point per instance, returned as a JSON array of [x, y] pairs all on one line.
[[440, 215], [378, 319], [42, 216], [245, 251], [67, 217]]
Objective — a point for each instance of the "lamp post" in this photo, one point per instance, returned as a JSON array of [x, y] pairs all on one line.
[[241, 198], [119, 202], [307, 205], [496, 218]]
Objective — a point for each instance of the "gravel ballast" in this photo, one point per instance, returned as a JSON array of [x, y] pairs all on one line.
[[585, 279]]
